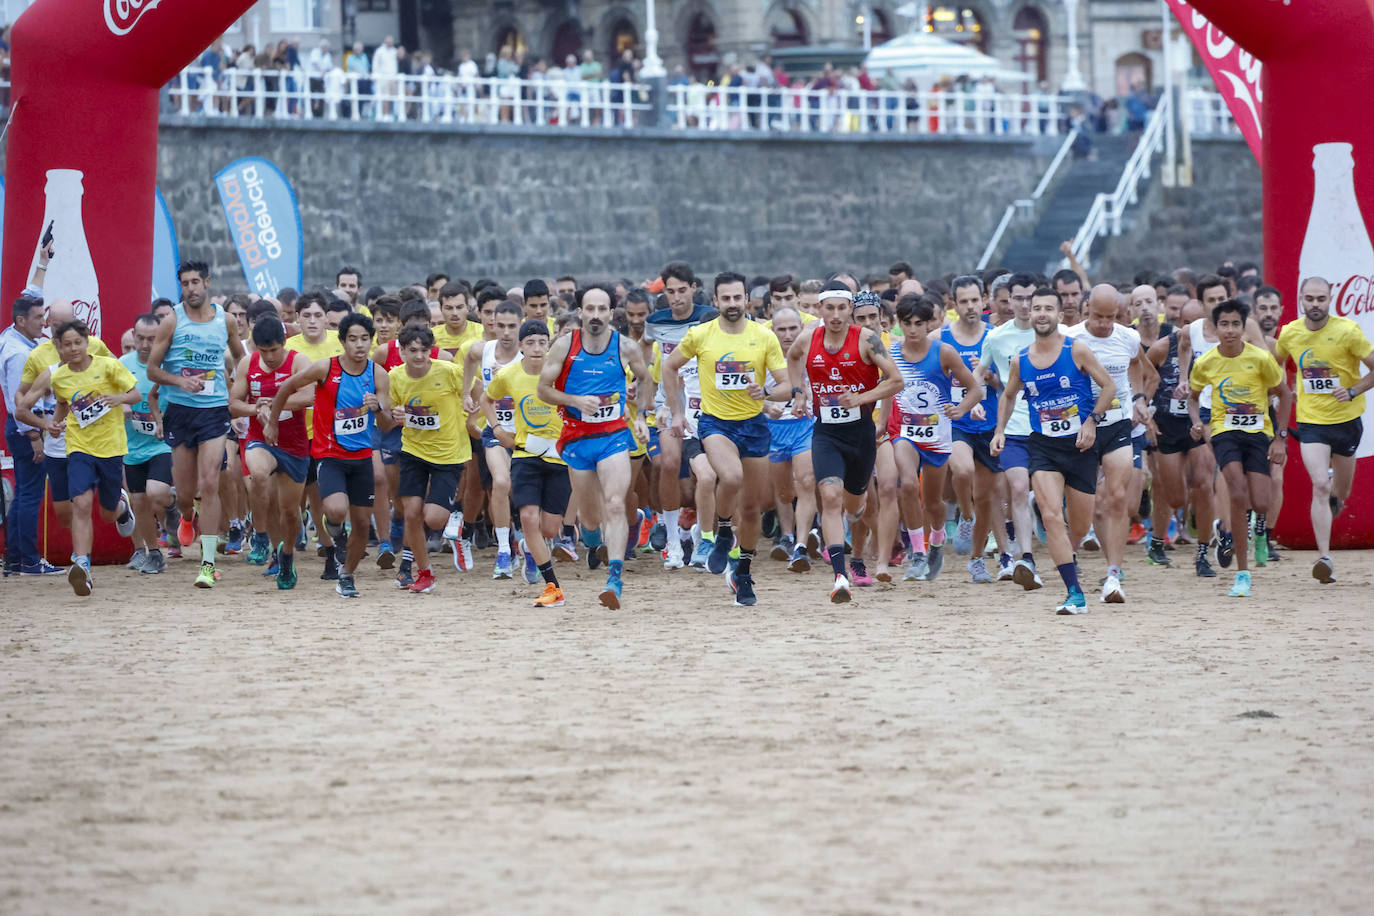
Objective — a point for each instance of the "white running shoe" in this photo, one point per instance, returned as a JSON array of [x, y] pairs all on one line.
[[1090, 541], [840, 593], [124, 523], [672, 556], [454, 529], [1112, 593]]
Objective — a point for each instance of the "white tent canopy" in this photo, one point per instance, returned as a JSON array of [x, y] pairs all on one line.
[[925, 58]]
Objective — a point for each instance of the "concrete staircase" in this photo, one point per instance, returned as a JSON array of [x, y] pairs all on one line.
[[1068, 205]]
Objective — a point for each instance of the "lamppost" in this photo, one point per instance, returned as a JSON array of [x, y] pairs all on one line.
[[1073, 79], [651, 71]]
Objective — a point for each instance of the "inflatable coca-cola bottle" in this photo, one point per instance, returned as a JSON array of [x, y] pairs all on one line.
[[70, 276]]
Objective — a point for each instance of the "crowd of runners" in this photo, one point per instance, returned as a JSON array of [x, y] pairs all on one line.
[[869, 425]]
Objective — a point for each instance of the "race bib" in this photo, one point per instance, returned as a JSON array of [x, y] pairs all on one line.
[[693, 412], [832, 412], [1060, 421], [143, 424], [421, 418], [349, 421], [1114, 413], [284, 415], [1178, 407], [538, 445], [190, 372], [608, 412], [1244, 418], [1319, 381], [89, 411], [505, 413], [733, 375], [957, 393], [919, 427]]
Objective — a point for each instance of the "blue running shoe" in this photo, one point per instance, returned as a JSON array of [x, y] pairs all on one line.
[[720, 553]]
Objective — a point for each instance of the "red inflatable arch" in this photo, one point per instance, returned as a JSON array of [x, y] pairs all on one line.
[[1314, 75], [83, 152]]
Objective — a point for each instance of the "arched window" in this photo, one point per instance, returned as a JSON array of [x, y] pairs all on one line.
[[787, 28], [702, 59], [567, 40], [957, 23], [1032, 39], [1133, 71], [622, 35], [508, 35]]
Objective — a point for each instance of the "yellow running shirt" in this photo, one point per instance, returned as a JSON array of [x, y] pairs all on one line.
[[435, 427], [93, 429], [446, 340], [1240, 388], [537, 425], [729, 363], [1327, 359], [44, 356]]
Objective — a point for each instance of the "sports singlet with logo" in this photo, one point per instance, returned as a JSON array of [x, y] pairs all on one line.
[[918, 410], [1201, 345], [1167, 402], [505, 407], [1059, 397], [970, 353], [600, 374], [197, 351], [263, 383], [833, 374], [343, 426]]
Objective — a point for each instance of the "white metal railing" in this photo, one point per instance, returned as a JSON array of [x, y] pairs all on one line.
[[1105, 213], [1208, 114], [439, 98], [716, 108], [1026, 205]]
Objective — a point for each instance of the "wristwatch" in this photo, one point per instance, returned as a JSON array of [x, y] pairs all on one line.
[[796, 390], [1282, 434], [1100, 418]]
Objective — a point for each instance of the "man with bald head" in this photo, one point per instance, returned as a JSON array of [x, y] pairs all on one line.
[[1118, 349]]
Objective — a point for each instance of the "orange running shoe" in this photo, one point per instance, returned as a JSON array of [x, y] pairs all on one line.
[[1137, 533], [186, 532], [552, 596]]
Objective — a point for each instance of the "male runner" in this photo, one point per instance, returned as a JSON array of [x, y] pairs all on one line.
[[480, 365], [536, 304], [148, 463], [841, 364], [351, 392], [584, 375], [276, 508], [1118, 350], [386, 519], [733, 356], [1057, 373], [455, 299], [1242, 376], [427, 398], [188, 361], [789, 455], [1327, 352], [316, 341], [539, 477], [1069, 285], [89, 392]]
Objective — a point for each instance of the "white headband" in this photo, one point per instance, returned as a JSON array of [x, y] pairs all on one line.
[[844, 294]]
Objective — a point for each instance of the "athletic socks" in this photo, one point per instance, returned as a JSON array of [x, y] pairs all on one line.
[[83, 561], [407, 556], [616, 568], [591, 537], [917, 537], [724, 526], [208, 543], [836, 554], [503, 540], [670, 517], [1028, 557], [1069, 573], [1011, 531], [1261, 526], [937, 537], [745, 562], [546, 570], [1114, 571], [335, 529]]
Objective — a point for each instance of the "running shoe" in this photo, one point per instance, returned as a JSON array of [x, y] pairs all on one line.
[[898, 555], [1226, 549], [564, 550], [404, 579], [839, 592], [1241, 587], [1261, 551], [782, 550], [233, 544], [1203, 568], [858, 573], [596, 556], [610, 595], [744, 590], [720, 553], [702, 552], [658, 535], [673, 557], [386, 555], [454, 529], [124, 522], [813, 544], [331, 567], [137, 560], [462, 554], [1273, 549], [345, 587], [963, 537], [174, 551], [1112, 592], [424, 583], [273, 563], [1005, 569], [1137, 533], [206, 577], [552, 596], [1155, 554], [502, 570], [916, 568], [978, 572], [286, 576], [80, 579], [1024, 575], [1324, 571], [1073, 603], [935, 561], [531, 567], [154, 564], [258, 549], [1090, 541], [186, 532], [648, 522], [41, 568], [801, 560]]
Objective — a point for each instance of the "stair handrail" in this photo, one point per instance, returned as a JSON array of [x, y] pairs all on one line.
[[1106, 211], [1028, 203]]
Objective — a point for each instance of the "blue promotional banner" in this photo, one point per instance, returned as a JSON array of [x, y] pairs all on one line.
[[265, 223], [166, 255]]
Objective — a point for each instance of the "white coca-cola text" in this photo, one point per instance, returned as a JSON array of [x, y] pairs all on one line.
[[122, 15], [1352, 298]]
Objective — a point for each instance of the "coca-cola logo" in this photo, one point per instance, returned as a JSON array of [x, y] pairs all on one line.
[[122, 15], [1231, 67], [1352, 298]]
